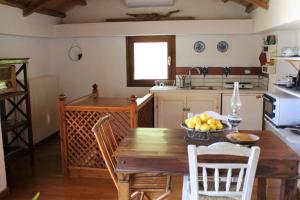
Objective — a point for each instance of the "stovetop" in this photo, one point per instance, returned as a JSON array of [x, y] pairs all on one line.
[[242, 85]]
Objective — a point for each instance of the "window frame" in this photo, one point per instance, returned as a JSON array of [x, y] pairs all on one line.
[[130, 40]]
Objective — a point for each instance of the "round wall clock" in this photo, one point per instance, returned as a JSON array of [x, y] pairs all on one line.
[[199, 46], [222, 46]]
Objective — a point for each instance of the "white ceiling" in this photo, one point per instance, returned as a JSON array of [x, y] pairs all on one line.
[[99, 10]]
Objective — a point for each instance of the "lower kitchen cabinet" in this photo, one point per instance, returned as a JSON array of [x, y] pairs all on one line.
[[251, 110], [169, 110], [172, 109], [206, 102]]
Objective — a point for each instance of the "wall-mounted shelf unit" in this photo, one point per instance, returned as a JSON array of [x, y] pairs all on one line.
[[15, 111], [294, 61]]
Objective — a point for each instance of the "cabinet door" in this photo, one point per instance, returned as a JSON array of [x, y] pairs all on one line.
[[251, 110], [206, 102], [169, 110]]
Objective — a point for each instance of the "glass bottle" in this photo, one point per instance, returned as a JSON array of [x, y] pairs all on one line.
[[235, 102]]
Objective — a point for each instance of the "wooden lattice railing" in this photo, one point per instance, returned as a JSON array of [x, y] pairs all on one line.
[[79, 149]]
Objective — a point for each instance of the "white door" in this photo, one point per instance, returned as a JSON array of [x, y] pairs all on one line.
[[201, 103], [170, 110], [251, 110]]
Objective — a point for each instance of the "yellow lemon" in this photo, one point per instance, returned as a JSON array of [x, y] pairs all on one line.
[[186, 121], [191, 124], [218, 122], [203, 117], [198, 127], [219, 126], [204, 128], [211, 121], [212, 127], [197, 120]]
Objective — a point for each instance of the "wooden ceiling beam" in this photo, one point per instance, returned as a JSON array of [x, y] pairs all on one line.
[[250, 8], [44, 11], [34, 7], [82, 2], [251, 4], [51, 12], [261, 3], [12, 3]]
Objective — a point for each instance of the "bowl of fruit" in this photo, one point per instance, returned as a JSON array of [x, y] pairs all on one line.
[[202, 125]]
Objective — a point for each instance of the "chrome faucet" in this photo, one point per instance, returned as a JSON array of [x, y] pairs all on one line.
[[188, 84]]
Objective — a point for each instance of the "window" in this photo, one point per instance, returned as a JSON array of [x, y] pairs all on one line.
[[150, 58]]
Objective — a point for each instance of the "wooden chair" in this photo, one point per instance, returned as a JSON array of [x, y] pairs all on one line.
[[237, 183], [140, 183]]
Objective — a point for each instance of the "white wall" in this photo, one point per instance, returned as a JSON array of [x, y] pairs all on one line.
[[280, 12], [98, 10], [190, 27], [32, 43], [2, 166], [37, 49], [243, 51], [104, 61], [12, 22]]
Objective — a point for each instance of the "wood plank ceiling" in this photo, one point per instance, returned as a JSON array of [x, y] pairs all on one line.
[[251, 5], [58, 8]]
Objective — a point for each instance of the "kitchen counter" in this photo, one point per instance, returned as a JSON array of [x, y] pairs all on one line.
[[215, 90], [292, 140]]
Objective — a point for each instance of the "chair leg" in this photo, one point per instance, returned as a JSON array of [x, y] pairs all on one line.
[[169, 184], [142, 195], [168, 189], [133, 195], [147, 197], [164, 196]]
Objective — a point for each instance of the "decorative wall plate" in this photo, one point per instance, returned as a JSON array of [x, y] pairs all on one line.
[[222, 46], [199, 46]]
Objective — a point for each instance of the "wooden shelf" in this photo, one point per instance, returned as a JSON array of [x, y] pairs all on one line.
[[11, 61], [286, 58], [294, 61], [291, 91], [12, 94], [9, 125], [9, 150]]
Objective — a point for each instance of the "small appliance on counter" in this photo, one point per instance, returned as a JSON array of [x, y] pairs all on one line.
[[242, 85], [288, 81], [281, 109]]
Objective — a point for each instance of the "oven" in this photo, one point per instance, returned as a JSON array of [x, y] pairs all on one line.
[[281, 109], [269, 106]]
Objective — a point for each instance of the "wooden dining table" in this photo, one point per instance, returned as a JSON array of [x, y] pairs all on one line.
[[164, 151]]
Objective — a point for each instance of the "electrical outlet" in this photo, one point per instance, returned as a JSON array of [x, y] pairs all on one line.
[[247, 71]]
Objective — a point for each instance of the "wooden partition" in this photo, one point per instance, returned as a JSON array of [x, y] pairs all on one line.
[[80, 155]]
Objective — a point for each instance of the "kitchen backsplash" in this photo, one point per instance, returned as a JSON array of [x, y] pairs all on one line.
[[219, 80]]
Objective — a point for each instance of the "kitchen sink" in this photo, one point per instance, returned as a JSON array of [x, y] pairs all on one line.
[[202, 88]]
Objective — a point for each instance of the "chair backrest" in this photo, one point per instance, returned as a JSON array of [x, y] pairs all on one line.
[[232, 184], [108, 144]]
